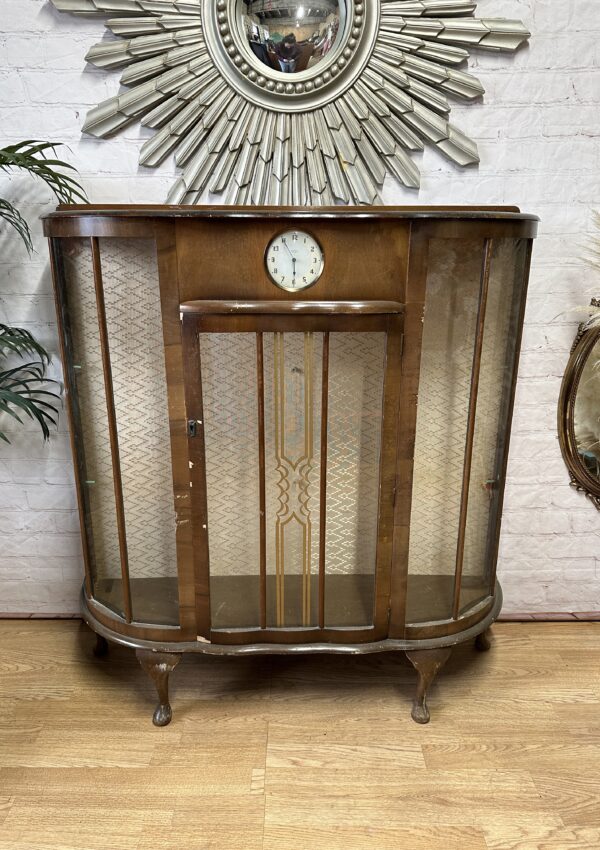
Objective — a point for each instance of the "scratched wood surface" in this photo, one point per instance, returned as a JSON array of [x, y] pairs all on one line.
[[312, 753]]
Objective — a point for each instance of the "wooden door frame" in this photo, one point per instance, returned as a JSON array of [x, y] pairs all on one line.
[[260, 317]]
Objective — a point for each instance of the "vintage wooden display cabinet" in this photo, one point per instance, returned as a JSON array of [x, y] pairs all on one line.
[[290, 426]]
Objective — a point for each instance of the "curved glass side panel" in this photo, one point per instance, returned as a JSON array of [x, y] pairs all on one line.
[[449, 331], [135, 338], [494, 398], [470, 337], [89, 404], [132, 313]]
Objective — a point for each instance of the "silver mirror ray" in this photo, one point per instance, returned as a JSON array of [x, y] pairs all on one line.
[[326, 135]]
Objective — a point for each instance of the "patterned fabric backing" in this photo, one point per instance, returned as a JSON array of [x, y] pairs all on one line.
[[133, 317], [229, 387], [87, 360], [229, 399], [356, 370]]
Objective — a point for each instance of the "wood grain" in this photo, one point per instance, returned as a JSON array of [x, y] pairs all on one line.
[[280, 753]]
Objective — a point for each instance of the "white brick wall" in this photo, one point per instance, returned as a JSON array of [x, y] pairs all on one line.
[[539, 140]]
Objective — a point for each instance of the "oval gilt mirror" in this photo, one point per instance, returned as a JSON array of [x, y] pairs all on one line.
[[579, 412]]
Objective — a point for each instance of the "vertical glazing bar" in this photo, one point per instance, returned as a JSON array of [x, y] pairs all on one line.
[[305, 481], [323, 480], [464, 499], [260, 384], [112, 426]]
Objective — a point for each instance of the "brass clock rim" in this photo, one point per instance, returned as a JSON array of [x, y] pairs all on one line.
[[321, 264]]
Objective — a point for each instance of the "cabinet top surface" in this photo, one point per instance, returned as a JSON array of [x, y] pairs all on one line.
[[257, 212]]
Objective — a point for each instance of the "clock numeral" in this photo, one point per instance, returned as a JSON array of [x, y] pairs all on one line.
[[313, 249], [305, 280], [276, 247], [295, 237], [274, 271]]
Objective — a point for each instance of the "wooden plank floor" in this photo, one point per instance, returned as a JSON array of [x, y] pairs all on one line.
[[312, 753]]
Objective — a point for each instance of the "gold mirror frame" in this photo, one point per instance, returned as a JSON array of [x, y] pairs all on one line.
[[326, 135], [581, 479]]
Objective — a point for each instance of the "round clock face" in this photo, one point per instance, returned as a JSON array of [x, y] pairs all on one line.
[[294, 260]]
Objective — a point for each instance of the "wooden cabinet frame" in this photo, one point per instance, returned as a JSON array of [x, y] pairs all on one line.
[[268, 317], [211, 276]]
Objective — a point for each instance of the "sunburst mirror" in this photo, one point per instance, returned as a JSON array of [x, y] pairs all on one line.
[[287, 102]]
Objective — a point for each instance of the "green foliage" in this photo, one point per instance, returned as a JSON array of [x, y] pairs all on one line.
[[38, 159], [21, 386]]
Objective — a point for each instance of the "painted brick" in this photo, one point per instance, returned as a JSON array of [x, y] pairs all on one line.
[[538, 130]]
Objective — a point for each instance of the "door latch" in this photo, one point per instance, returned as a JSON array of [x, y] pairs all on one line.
[[192, 428]]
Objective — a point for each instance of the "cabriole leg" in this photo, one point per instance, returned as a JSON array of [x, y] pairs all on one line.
[[427, 663], [101, 648], [483, 641], [158, 665]]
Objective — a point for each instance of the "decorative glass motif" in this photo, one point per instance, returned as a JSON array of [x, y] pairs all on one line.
[[290, 395]]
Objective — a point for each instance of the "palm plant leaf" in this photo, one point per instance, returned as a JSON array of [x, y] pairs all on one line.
[[20, 341], [13, 217], [33, 156], [21, 392], [22, 386]]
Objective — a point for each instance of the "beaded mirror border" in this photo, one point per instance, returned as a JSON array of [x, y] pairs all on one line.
[[326, 135]]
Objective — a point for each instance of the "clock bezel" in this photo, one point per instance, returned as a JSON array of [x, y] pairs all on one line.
[[319, 270]]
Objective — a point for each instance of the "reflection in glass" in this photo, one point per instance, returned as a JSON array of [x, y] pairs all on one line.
[[587, 413], [291, 37]]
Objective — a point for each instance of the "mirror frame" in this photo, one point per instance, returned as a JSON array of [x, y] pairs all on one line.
[[581, 480], [275, 90], [330, 134]]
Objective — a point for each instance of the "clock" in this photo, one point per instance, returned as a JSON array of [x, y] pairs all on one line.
[[294, 260]]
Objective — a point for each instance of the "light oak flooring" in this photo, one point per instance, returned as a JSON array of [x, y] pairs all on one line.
[[303, 753]]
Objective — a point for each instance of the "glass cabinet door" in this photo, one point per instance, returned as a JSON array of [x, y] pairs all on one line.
[[292, 477], [472, 314]]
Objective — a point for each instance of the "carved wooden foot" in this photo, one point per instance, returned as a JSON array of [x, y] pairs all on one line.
[[483, 641], [427, 663], [158, 665], [101, 648]]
